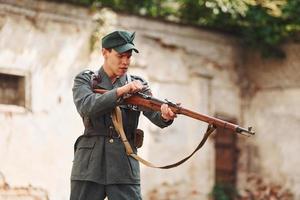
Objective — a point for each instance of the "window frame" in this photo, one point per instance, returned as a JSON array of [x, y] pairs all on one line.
[[27, 91]]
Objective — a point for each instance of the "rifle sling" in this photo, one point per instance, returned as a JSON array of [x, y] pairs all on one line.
[[118, 123]]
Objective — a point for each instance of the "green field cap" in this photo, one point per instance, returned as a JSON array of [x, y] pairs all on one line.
[[121, 41]]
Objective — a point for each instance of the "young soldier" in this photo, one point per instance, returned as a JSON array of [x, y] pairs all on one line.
[[101, 167]]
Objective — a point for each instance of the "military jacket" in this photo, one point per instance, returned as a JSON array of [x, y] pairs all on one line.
[[99, 153]]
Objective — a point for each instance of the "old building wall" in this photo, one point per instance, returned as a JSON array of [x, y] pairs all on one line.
[[272, 97], [50, 43]]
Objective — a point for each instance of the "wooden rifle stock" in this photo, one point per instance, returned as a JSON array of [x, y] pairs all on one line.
[[148, 102]]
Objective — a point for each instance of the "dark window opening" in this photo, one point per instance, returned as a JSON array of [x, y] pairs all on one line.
[[12, 89]]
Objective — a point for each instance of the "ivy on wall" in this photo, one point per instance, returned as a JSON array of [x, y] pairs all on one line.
[[261, 24]]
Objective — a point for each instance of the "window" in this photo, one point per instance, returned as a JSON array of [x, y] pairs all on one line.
[[12, 89]]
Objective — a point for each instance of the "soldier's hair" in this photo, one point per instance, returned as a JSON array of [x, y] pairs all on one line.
[[108, 49]]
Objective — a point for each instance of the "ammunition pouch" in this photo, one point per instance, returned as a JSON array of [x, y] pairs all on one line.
[[138, 138]]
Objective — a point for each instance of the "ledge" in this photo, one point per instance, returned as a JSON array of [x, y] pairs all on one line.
[[48, 10], [12, 109]]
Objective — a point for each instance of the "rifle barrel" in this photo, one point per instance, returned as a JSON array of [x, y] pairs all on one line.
[[208, 119], [149, 102]]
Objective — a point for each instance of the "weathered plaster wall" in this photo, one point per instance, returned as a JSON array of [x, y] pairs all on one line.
[[36, 145], [51, 43], [272, 98]]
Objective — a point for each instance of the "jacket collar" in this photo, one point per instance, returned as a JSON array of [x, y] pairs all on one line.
[[105, 81]]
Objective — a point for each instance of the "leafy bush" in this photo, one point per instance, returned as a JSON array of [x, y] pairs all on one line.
[[261, 24]]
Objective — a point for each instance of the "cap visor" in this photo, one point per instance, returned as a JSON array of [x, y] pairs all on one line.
[[125, 47]]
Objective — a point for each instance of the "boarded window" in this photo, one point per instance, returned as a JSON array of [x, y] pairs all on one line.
[[12, 89], [226, 159]]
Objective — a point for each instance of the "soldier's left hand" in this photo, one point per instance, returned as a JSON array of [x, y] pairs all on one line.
[[166, 113]]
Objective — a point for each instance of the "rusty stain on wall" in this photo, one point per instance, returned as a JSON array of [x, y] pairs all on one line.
[[21, 193], [171, 191], [258, 188]]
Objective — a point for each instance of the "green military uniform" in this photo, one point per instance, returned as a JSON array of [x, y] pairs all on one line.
[[100, 155]]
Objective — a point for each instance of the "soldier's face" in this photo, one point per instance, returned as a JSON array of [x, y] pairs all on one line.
[[116, 63]]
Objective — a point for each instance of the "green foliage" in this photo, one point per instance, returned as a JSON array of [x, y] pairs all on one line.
[[256, 26], [263, 31], [261, 24], [223, 192]]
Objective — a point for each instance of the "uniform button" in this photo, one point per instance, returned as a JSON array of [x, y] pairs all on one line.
[[111, 140]]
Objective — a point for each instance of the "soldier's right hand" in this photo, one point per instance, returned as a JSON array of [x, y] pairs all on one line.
[[132, 87]]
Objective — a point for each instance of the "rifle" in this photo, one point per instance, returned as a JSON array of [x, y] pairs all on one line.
[[145, 101]]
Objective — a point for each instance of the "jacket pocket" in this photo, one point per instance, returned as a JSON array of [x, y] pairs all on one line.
[[83, 155]]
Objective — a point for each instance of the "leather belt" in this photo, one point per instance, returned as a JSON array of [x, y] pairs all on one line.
[[108, 132]]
